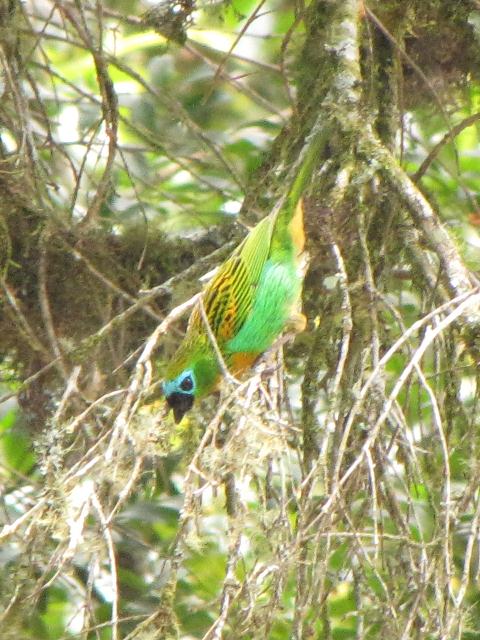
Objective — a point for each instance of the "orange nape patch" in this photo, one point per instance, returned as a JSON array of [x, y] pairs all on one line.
[[240, 362]]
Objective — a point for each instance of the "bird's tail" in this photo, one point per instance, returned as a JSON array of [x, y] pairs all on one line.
[[288, 231]]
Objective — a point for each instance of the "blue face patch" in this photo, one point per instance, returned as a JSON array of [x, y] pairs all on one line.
[[180, 393], [184, 383]]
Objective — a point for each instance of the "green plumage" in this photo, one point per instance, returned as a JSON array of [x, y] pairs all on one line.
[[248, 302]]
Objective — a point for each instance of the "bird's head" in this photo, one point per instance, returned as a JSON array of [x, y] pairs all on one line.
[[180, 393], [196, 379]]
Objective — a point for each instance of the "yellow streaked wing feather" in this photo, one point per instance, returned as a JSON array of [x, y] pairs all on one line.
[[229, 297]]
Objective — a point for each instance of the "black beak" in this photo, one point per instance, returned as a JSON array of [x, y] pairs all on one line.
[[180, 403]]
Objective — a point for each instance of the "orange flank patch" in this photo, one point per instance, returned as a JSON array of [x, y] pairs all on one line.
[[474, 218], [242, 361]]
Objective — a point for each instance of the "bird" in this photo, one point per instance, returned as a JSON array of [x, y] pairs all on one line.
[[253, 297]]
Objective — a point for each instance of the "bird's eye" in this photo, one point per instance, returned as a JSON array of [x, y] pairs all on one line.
[[186, 384]]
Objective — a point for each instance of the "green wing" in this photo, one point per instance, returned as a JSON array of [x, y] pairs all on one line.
[[229, 297]]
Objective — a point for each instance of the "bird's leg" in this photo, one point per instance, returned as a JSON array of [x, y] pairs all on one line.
[[270, 367]]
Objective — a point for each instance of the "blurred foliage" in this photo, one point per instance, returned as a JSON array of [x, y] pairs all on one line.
[[113, 531]]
